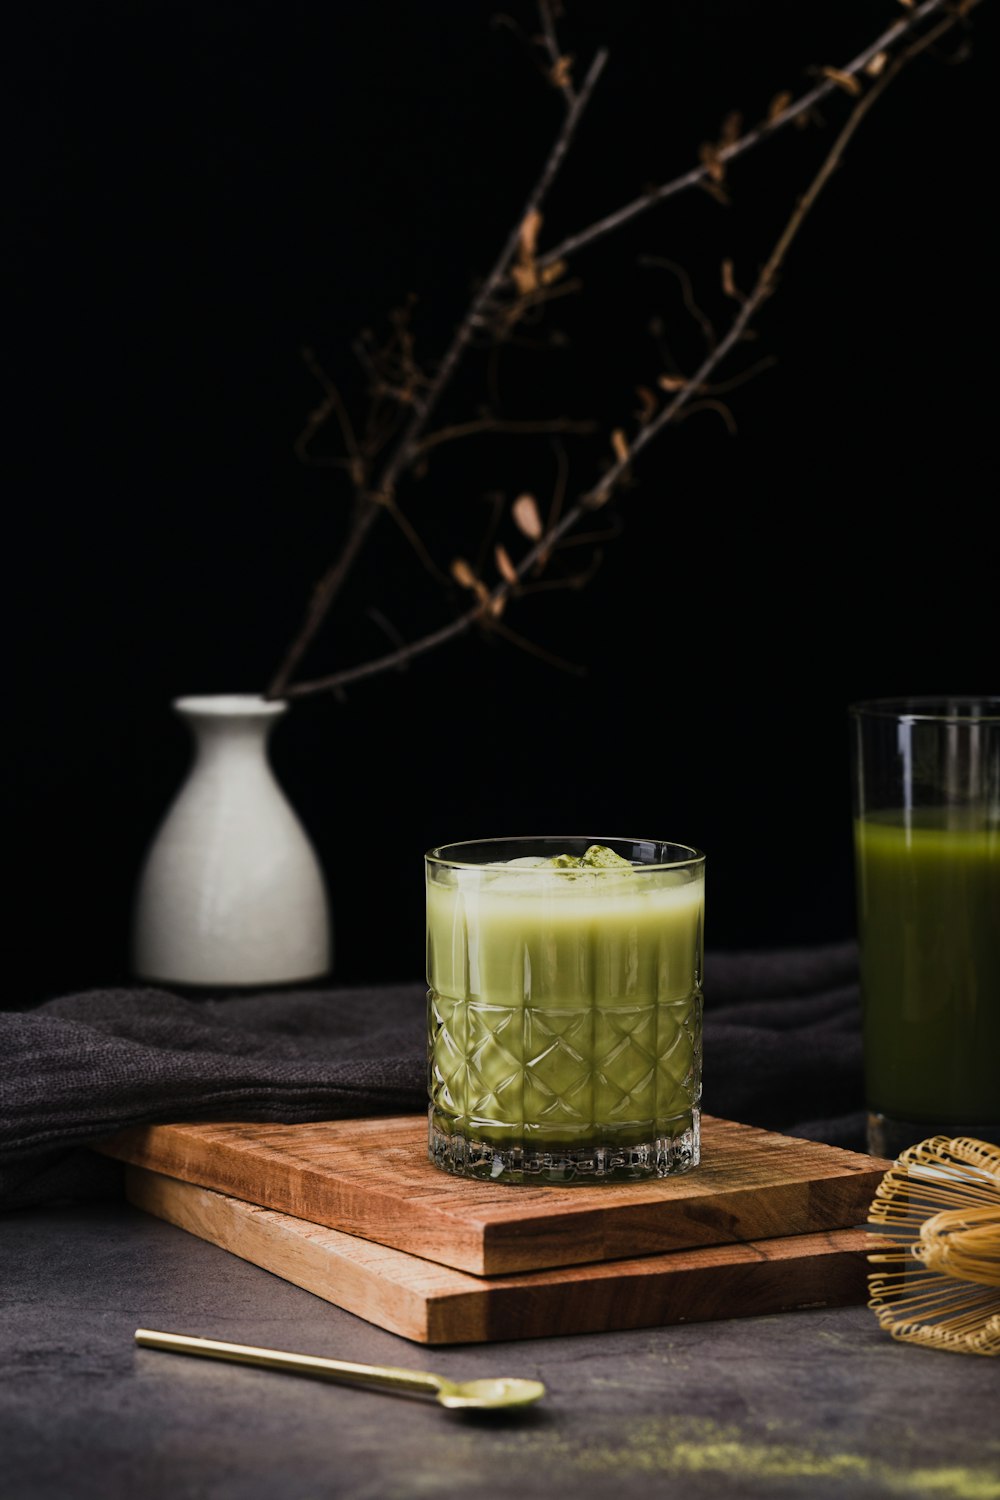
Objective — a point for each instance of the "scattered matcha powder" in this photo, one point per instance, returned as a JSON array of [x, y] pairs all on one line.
[[692, 1447]]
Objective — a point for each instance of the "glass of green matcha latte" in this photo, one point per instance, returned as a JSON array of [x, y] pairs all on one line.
[[564, 1008]]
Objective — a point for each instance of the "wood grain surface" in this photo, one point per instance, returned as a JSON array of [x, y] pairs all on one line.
[[433, 1304], [371, 1178]]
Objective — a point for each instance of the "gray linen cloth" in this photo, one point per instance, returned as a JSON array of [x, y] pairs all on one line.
[[782, 1050]]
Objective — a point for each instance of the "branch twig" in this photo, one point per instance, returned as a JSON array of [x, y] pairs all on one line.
[[697, 176], [317, 419], [502, 424], [369, 504], [489, 603], [559, 73]]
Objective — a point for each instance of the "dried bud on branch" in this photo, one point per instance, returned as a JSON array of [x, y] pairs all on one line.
[[524, 271], [561, 72], [708, 155], [732, 127], [728, 284], [845, 81], [527, 518], [505, 567], [647, 404]]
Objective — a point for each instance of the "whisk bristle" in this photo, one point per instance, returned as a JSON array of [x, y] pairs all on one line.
[[940, 1203]]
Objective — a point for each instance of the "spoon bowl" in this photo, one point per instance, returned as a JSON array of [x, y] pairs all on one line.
[[486, 1395]]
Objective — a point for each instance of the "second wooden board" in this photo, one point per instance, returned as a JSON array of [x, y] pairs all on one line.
[[371, 1178], [433, 1304]]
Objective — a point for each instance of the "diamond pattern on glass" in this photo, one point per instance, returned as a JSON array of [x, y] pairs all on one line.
[[558, 1081], [533, 1069]]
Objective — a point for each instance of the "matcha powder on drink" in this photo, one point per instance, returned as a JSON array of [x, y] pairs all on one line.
[[597, 857]]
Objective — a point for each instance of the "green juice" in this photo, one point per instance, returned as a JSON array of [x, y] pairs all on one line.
[[565, 1007], [929, 932]]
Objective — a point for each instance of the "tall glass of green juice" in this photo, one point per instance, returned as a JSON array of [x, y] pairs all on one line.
[[564, 1008], [926, 785]]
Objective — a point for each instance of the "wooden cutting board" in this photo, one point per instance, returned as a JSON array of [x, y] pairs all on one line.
[[433, 1304], [371, 1178]]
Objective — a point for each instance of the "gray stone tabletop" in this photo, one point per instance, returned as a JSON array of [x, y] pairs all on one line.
[[818, 1403]]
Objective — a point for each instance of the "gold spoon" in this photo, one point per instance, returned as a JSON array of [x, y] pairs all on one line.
[[468, 1395]]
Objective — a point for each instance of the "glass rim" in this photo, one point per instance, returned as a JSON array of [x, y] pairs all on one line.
[[440, 856], [940, 708]]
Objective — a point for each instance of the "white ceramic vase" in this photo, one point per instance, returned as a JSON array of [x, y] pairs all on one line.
[[231, 892]]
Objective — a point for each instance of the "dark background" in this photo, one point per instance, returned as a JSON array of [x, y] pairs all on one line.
[[194, 191]]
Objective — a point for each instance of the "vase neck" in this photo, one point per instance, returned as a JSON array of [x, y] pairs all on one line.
[[230, 721]]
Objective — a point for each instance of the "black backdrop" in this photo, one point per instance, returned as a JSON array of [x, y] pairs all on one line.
[[194, 191]]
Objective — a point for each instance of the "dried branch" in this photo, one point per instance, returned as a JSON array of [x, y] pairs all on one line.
[[369, 503], [386, 626], [483, 613], [707, 404], [533, 649], [570, 581], [559, 490], [560, 62], [331, 405], [501, 424], [413, 537], [719, 156], [660, 262]]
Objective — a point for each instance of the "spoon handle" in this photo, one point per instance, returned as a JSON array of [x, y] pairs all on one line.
[[382, 1377]]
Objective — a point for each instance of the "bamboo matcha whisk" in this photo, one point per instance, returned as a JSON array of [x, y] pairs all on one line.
[[940, 1202]]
